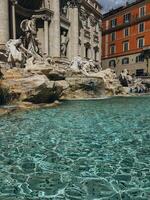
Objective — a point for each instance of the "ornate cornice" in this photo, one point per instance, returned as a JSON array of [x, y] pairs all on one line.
[[74, 3]]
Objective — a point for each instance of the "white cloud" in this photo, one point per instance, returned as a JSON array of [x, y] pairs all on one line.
[[109, 4]]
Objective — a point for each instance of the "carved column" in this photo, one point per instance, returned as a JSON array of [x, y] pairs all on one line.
[[14, 2], [46, 34], [92, 37], [55, 29], [74, 29], [100, 40], [4, 23]]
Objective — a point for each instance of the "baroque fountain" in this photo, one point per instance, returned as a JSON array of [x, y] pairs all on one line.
[[85, 150], [30, 76]]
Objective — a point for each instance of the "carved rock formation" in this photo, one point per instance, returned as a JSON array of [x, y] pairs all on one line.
[[46, 83], [27, 86], [96, 85]]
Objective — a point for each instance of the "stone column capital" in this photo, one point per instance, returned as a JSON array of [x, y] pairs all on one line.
[[14, 2], [74, 3], [43, 17], [46, 18]]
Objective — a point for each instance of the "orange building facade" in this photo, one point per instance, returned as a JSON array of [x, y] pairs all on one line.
[[126, 38]]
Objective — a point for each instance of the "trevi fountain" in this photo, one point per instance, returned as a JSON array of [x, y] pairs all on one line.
[[68, 129]]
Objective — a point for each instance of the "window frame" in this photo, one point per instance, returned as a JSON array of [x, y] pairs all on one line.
[[138, 42], [114, 63], [140, 59], [113, 25], [140, 8], [112, 39], [125, 42], [127, 28], [127, 18], [112, 45], [125, 59], [139, 27]]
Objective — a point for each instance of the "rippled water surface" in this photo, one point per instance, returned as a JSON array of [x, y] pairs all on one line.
[[81, 150]]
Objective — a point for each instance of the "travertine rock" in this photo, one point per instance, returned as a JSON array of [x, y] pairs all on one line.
[[25, 86], [96, 85], [47, 83]]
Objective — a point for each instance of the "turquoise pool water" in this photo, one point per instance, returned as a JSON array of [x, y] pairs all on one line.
[[81, 150]]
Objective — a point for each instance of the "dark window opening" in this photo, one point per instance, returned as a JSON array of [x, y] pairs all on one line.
[[125, 61], [140, 72], [112, 63], [127, 18], [86, 52], [140, 58]]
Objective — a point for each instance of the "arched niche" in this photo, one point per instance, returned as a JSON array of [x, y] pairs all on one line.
[[30, 4]]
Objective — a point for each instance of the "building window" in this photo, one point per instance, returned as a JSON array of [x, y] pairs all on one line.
[[126, 46], [87, 53], [113, 36], [125, 61], [140, 42], [140, 72], [113, 23], [127, 18], [112, 49], [96, 53], [112, 63], [141, 27], [142, 11], [126, 32], [140, 58]]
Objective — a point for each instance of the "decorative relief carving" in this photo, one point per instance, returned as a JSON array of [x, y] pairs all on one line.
[[74, 3], [83, 15], [95, 39], [84, 18], [93, 21], [87, 34], [43, 17]]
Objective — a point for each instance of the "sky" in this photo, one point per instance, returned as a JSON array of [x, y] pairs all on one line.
[[109, 4]]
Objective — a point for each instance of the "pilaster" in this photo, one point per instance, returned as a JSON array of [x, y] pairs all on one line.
[[55, 29], [74, 29], [46, 20], [4, 23], [13, 7]]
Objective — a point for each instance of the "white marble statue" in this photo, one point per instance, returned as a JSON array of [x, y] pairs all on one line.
[[24, 48], [15, 55], [76, 64], [64, 43], [30, 40], [125, 78], [83, 66]]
